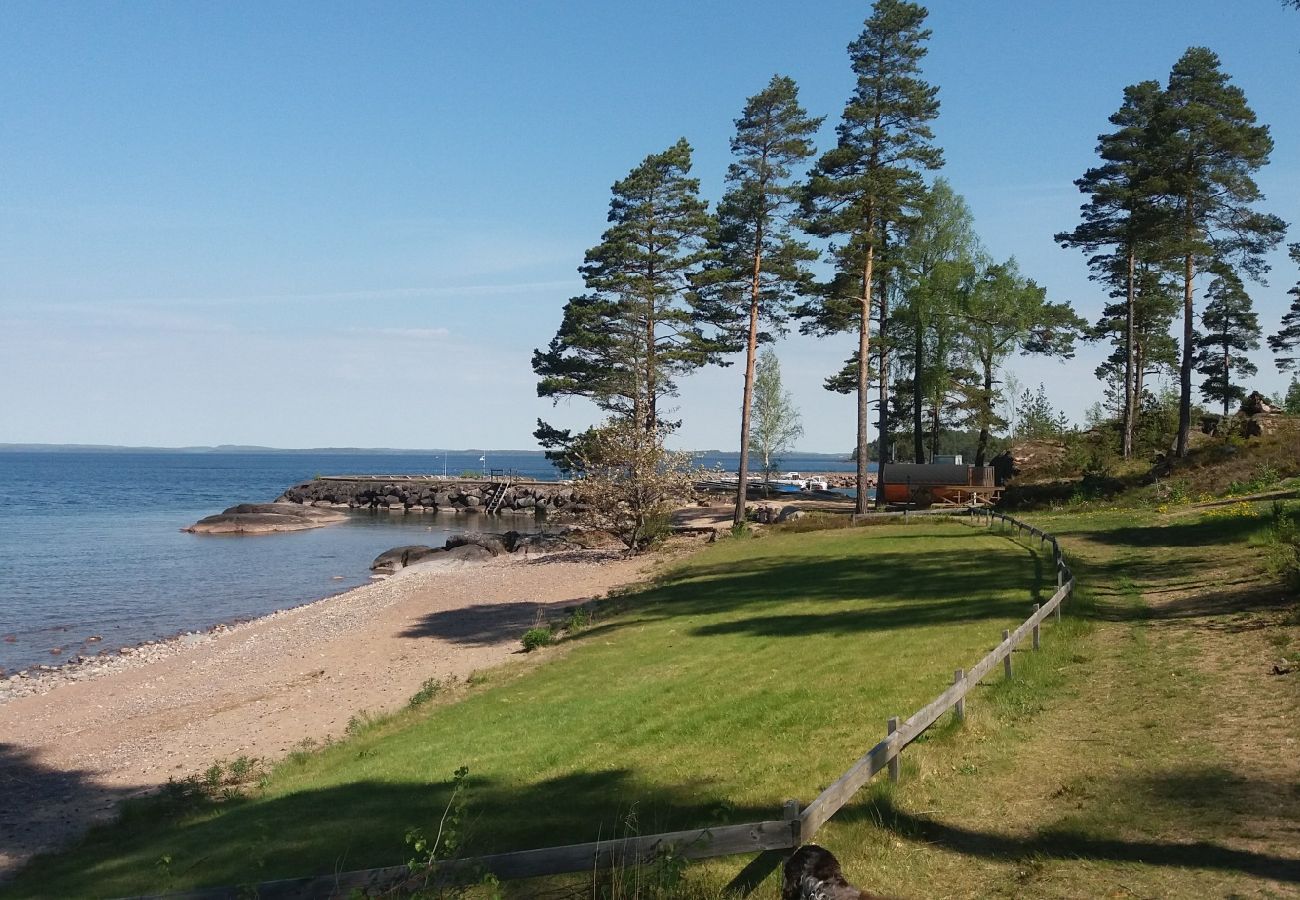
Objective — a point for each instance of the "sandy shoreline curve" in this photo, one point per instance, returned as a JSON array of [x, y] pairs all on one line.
[[73, 750]]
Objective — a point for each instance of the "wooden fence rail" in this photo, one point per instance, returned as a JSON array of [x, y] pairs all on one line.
[[794, 828]]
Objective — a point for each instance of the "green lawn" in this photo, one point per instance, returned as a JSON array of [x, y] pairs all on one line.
[[756, 671]]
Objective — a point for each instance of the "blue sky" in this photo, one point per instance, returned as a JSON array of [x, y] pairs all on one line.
[[350, 224]]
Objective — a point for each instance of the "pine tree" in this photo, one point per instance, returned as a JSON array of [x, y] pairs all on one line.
[[1122, 214], [1231, 329], [1038, 418], [1286, 342], [1292, 402], [1154, 350], [1211, 147], [624, 342], [871, 178], [760, 269]]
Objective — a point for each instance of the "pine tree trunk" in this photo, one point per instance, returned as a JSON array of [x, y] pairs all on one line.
[[1227, 371], [882, 428], [1185, 370], [982, 448], [742, 490], [864, 381], [1130, 377]]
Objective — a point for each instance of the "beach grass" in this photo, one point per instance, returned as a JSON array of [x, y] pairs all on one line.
[[755, 671]]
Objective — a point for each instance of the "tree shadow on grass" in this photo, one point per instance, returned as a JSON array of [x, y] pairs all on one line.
[[840, 595], [361, 825], [41, 806], [1201, 533], [1213, 795], [485, 624]]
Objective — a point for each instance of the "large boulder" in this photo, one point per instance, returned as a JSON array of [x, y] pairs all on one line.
[[400, 557], [495, 544], [266, 518]]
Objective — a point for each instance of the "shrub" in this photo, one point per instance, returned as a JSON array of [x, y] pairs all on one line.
[[537, 637], [428, 690]]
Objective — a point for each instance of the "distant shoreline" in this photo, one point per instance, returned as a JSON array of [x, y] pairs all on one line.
[[235, 449]]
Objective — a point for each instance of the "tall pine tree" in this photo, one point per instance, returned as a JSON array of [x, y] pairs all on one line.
[[1211, 148], [638, 328], [1231, 329], [870, 178], [1286, 342], [1121, 224], [759, 268]]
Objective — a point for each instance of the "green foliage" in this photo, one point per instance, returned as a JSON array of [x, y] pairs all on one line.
[[538, 636], [870, 182], [1285, 344], [1038, 418], [1292, 401], [776, 424], [579, 618], [1232, 328], [624, 342], [1284, 535], [1265, 477], [429, 689]]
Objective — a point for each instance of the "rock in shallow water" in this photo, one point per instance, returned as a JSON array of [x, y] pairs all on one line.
[[265, 518]]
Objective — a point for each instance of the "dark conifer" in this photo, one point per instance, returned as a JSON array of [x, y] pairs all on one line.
[[1211, 147], [1231, 329], [1121, 225], [759, 269], [624, 342], [1286, 342]]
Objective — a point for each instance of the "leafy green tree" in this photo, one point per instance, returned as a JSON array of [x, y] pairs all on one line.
[[776, 420], [937, 268], [760, 269], [871, 178], [1004, 313], [639, 327], [1121, 225], [1211, 147], [1231, 329], [1284, 344]]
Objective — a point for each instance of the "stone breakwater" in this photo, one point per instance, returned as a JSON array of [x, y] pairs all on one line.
[[432, 495]]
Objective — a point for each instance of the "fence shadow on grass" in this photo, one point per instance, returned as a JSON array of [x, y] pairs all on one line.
[[1067, 844], [362, 824]]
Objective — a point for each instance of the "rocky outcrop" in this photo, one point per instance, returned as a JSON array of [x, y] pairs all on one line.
[[265, 518], [474, 547], [427, 495]]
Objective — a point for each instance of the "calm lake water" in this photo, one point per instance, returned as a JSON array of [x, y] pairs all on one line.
[[90, 542]]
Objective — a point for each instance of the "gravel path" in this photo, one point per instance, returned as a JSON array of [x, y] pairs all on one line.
[[74, 745]]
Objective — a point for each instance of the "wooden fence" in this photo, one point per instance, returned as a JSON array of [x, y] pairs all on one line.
[[795, 827]]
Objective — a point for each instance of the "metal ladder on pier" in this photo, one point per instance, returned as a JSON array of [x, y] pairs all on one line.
[[494, 505]]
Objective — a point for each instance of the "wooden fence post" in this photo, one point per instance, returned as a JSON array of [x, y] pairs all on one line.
[[960, 709], [1036, 638], [790, 813], [895, 762], [1006, 660]]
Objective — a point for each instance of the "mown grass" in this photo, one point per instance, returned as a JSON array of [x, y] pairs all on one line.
[[754, 672], [1150, 754]]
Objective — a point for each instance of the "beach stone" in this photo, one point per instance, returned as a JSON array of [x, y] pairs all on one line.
[[494, 544], [400, 557]]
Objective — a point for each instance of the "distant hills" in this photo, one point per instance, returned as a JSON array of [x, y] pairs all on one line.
[[233, 448], [248, 448]]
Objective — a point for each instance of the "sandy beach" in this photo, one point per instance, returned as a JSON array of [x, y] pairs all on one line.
[[69, 755]]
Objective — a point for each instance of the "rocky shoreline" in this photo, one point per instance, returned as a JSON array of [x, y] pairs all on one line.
[[430, 494], [470, 548]]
